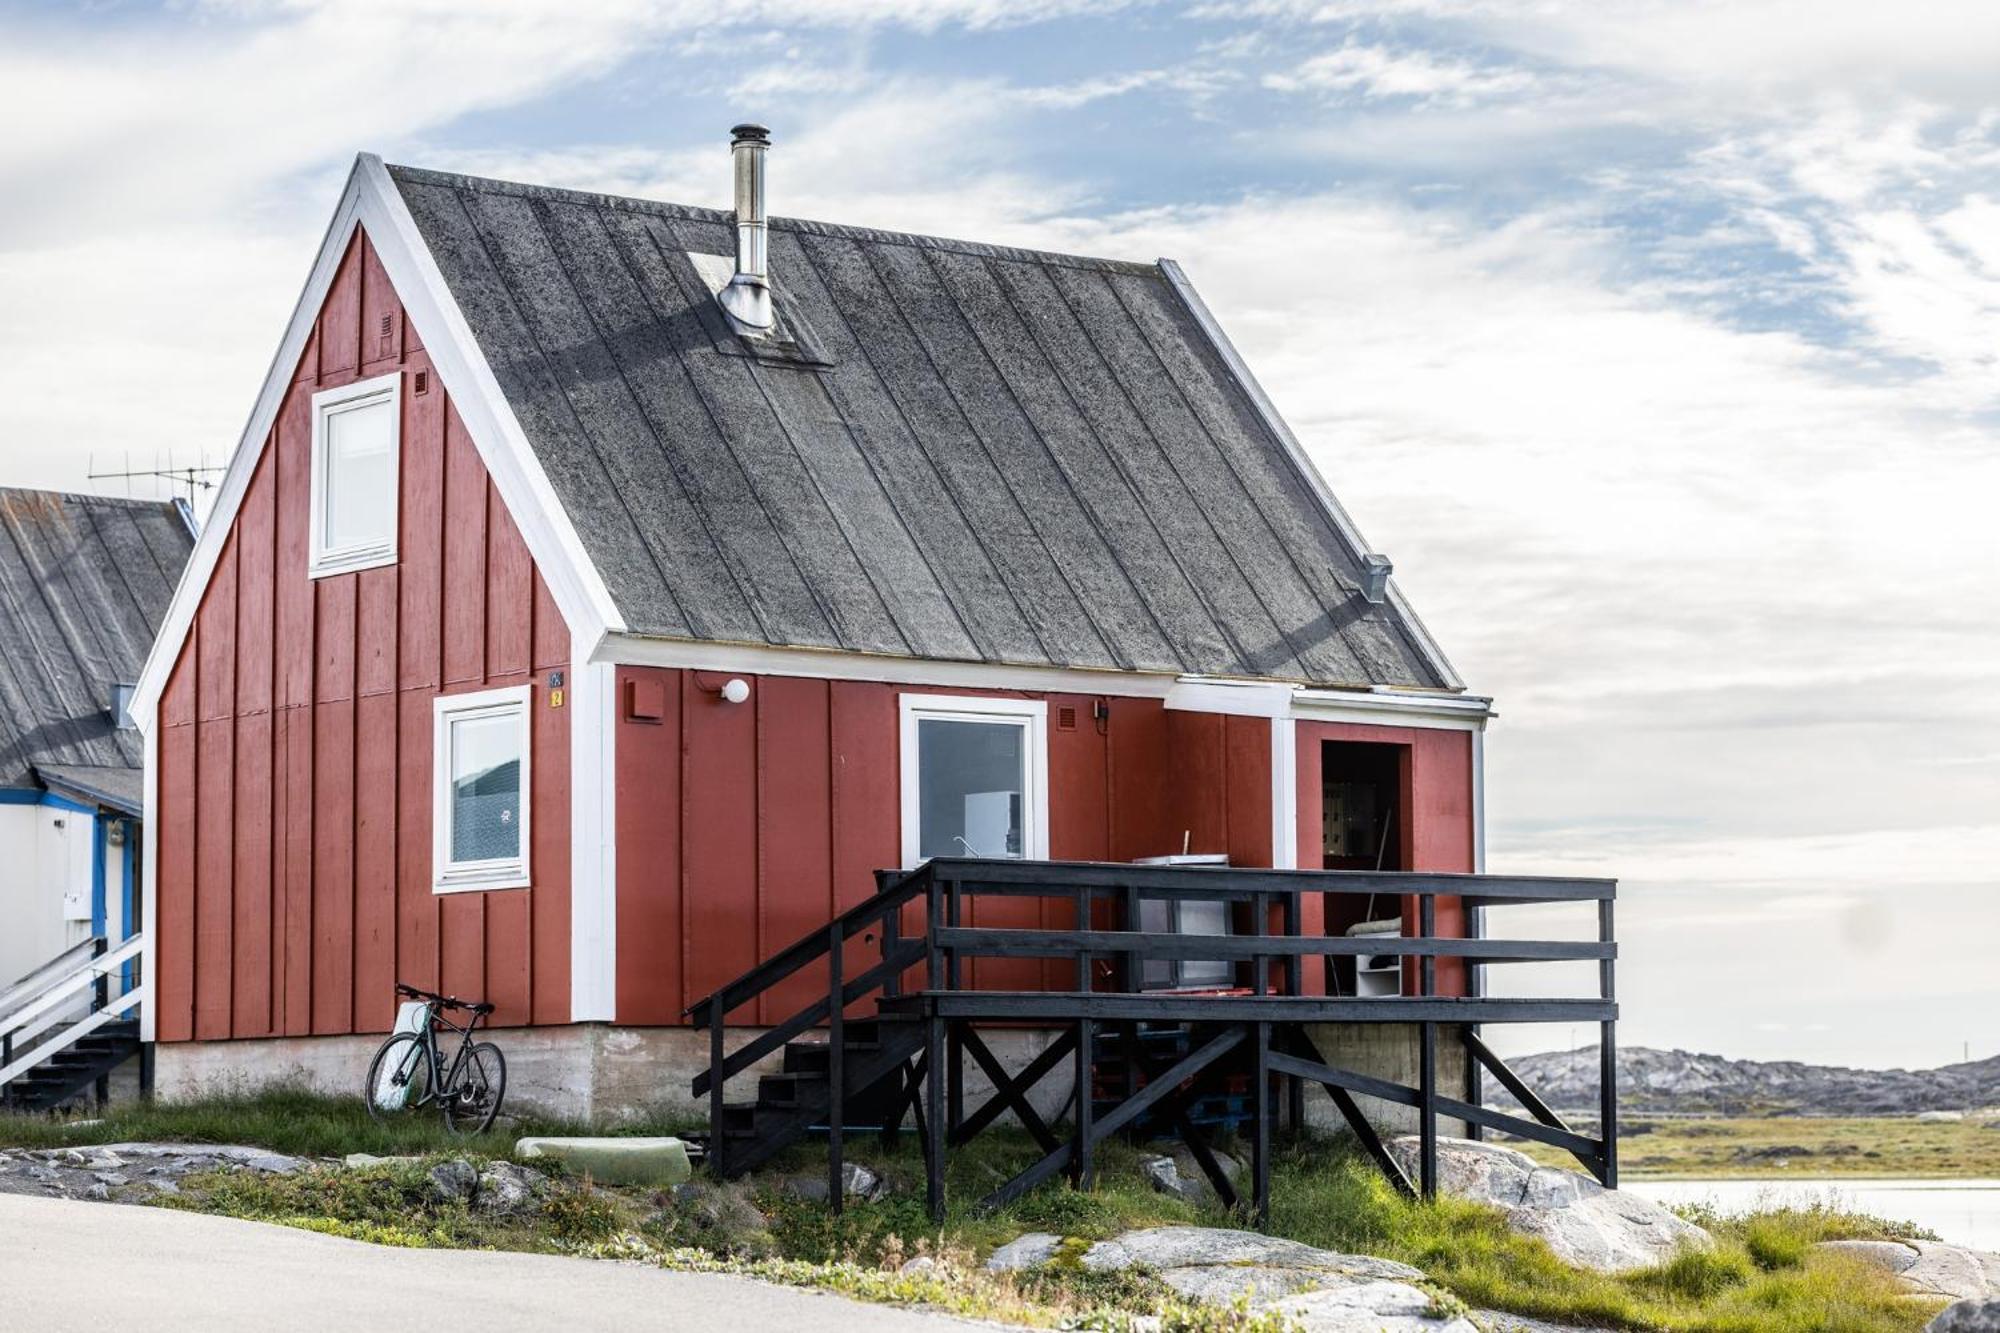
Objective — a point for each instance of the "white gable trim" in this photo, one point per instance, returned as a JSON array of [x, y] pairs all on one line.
[[1343, 523], [371, 201]]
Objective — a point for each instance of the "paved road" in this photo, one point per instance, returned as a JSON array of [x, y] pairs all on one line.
[[74, 1266]]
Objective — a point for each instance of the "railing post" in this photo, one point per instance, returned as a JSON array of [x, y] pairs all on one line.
[[1427, 1129], [1260, 964], [718, 1134], [1260, 1140], [954, 1039], [836, 1072], [1607, 1047], [100, 989], [1295, 1089], [1086, 1056]]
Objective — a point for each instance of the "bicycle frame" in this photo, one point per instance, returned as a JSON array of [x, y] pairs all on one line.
[[440, 1077]]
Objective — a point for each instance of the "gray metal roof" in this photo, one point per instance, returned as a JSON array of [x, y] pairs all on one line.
[[84, 582], [1003, 455], [117, 787]]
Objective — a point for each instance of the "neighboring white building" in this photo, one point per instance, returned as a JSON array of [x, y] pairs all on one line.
[[84, 582]]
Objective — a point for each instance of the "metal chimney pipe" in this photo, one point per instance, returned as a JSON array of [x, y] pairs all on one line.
[[747, 298]]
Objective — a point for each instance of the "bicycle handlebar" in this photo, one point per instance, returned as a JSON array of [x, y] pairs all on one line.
[[446, 1001]]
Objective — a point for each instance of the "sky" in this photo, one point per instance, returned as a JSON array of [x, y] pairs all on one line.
[[1657, 343]]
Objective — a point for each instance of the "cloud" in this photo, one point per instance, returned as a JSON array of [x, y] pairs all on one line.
[[1371, 71]]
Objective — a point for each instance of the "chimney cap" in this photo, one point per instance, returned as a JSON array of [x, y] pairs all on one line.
[[749, 133]]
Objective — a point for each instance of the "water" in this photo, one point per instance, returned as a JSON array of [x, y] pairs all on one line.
[[1963, 1212]]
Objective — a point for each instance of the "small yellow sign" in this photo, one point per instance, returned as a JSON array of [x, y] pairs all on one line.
[[555, 698]]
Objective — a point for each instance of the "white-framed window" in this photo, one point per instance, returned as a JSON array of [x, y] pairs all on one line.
[[356, 447], [975, 777], [480, 783]]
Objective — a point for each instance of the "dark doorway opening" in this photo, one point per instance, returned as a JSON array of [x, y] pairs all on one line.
[[1364, 825]]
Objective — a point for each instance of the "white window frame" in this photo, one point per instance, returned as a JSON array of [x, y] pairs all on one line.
[[1030, 715], [511, 872], [323, 562]]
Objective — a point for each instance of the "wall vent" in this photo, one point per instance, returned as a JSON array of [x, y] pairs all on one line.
[[421, 383], [1066, 718]]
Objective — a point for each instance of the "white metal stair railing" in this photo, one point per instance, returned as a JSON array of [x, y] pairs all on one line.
[[42, 1009], [48, 972]]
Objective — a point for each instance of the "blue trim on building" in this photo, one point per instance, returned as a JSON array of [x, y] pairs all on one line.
[[98, 853], [36, 796]]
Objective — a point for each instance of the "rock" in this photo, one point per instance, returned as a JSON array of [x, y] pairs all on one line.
[[923, 1263], [1368, 1307], [453, 1181], [1317, 1290], [1939, 1117], [1029, 1251], [1968, 1317], [1499, 1321], [1928, 1268], [1216, 1266], [100, 1193], [181, 1158], [1584, 1223], [109, 1179], [615, 1161], [856, 1182], [1893, 1255], [354, 1161], [506, 1189], [1164, 1175]]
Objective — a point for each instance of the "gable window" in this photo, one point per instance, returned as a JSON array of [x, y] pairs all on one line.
[[356, 433], [975, 777], [480, 811]]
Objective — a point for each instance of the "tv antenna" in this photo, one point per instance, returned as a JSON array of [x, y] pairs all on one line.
[[192, 477]]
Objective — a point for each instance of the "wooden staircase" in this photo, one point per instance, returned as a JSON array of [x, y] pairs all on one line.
[[76, 1069], [795, 1102], [69, 1023]]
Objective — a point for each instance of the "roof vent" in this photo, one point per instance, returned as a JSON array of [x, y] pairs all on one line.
[[747, 298], [121, 706], [1375, 571]]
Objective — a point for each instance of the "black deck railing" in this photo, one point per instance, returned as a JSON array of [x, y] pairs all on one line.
[[1106, 957]]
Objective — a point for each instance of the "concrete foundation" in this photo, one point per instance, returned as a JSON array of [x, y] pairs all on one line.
[[600, 1074], [1392, 1051], [590, 1073]]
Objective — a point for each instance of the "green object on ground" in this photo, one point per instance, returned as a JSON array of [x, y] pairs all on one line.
[[615, 1161]]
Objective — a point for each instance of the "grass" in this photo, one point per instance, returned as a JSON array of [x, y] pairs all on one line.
[[1775, 1147], [305, 1124], [1762, 1276]]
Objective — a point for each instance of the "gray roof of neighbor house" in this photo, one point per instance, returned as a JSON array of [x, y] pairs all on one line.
[[84, 582], [959, 452]]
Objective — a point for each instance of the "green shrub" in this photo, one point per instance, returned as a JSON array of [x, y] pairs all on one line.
[[580, 1216], [1774, 1242]]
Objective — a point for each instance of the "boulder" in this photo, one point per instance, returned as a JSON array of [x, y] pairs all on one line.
[[506, 1189], [1928, 1268], [1584, 1223], [1217, 1266], [453, 1181], [717, 1217], [1029, 1251], [1368, 1307], [1181, 1176], [615, 1161], [1939, 1117], [357, 1160], [1967, 1317]]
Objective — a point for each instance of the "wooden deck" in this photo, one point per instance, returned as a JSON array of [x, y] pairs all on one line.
[[905, 1059]]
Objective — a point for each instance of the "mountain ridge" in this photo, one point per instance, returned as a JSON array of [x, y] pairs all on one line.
[[1654, 1080]]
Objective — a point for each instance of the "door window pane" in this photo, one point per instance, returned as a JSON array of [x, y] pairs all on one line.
[[485, 788], [971, 777], [360, 477]]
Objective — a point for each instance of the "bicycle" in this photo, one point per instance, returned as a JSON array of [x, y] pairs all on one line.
[[408, 1073]]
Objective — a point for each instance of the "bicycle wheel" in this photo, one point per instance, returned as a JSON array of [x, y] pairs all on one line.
[[473, 1098], [399, 1077]]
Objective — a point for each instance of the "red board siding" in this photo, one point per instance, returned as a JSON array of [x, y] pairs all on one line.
[[743, 827], [295, 749]]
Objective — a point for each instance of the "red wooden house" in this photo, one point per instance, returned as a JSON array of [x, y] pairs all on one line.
[[604, 590]]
